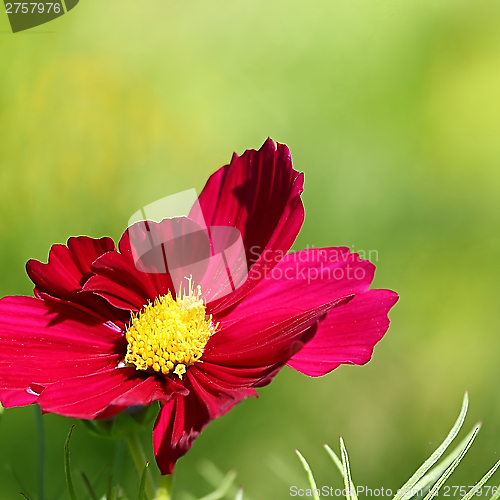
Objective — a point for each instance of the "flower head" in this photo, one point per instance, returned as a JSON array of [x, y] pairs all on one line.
[[193, 312]]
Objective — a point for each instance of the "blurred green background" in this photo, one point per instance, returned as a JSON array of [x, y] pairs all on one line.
[[392, 110]]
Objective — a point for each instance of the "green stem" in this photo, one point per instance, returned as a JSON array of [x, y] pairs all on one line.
[[164, 491], [41, 451], [139, 458], [118, 460]]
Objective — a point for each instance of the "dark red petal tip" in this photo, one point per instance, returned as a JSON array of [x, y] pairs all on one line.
[[257, 194]]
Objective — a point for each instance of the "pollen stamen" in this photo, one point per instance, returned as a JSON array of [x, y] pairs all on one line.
[[169, 335]]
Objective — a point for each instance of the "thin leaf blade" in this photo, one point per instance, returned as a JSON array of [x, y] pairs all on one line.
[[67, 467], [142, 485], [479, 485], [350, 490], [438, 470], [406, 490], [310, 476], [435, 489]]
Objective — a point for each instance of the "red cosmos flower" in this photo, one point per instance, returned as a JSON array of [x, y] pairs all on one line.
[[108, 328]]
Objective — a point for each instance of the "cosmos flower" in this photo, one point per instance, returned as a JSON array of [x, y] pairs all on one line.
[[193, 312]]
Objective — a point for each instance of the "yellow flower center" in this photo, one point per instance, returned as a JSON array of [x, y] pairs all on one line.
[[169, 335]]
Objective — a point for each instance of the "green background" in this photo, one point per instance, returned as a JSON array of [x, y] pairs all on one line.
[[391, 109]]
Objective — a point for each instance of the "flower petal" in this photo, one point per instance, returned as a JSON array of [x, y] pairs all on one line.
[[155, 258], [263, 337], [120, 283], [10, 399], [307, 279], [39, 345], [109, 391], [182, 419], [347, 335], [233, 378], [68, 268], [259, 195], [272, 323]]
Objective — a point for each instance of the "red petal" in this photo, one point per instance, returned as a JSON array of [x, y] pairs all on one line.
[[119, 283], [280, 314], [69, 267], [41, 346], [167, 251], [232, 378], [154, 257], [259, 195], [110, 391], [347, 335], [10, 399], [182, 419], [307, 279], [262, 337]]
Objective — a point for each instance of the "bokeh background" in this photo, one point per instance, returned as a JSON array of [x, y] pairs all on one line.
[[392, 110]]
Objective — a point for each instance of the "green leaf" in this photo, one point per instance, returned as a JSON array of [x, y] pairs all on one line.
[[109, 494], [335, 458], [214, 476], [479, 485], [406, 490], [435, 489], [223, 489], [496, 496], [339, 464], [239, 494], [114, 493], [350, 490], [87, 484], [142, 486], [67, 467], [436, 472], [40, 452], [310, 476]]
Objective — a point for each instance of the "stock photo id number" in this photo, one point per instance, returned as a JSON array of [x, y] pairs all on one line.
[[26, 15]]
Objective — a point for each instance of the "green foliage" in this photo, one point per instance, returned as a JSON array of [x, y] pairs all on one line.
[[114, 491], [224, 484], [123, 424], [142, 486], [67, 467], [425, 478]]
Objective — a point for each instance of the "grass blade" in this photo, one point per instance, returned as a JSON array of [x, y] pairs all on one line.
[[114, 493], [340, 466], [19, 482], [142, 485], [335, 458], [479, 485], [88, 485], [67, 467], [110, 489], [214, 476], [435, 489], [496, 496], [40, 451], [310, 476], [350, 490], [406, 490], [239, 495], [436, 472], [223, 489]]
